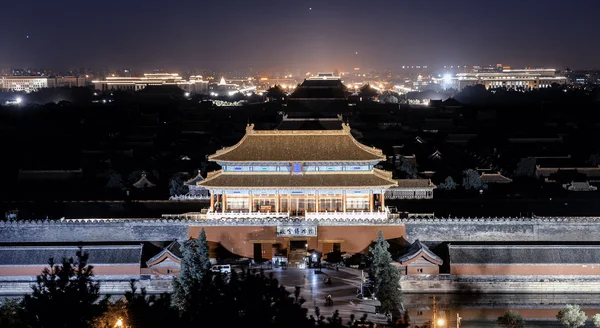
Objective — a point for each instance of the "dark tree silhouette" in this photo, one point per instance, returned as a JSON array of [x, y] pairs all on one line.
[[385, 276], [65, 295]]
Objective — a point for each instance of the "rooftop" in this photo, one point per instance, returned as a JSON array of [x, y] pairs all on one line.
[[98, 255], [375, 178], [418, 249], [298, 146]]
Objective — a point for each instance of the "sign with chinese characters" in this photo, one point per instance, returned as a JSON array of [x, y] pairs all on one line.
[[297, 231]]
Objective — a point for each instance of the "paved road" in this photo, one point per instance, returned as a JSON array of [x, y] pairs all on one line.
[[343, 289]]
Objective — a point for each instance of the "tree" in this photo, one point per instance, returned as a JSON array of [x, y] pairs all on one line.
[[149, 311], [114, 180], [385, 276], [596, 320], [114, 311], [12, 314], [594, 159], [525, 167], [472, 180], [409, 170], [195, 265], [388, 97], [65, 295], [177, 184], [275, 92], [511, 319], [448, 184], [571, 316]]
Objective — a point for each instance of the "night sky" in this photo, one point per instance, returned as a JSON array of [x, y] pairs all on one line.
[[234, 34]]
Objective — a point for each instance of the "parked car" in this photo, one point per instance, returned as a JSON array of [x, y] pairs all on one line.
[[223, 268]]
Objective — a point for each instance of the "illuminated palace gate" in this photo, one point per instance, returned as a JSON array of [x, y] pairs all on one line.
[[305, 175]]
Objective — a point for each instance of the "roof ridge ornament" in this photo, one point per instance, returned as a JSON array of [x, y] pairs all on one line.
[[346, 127]]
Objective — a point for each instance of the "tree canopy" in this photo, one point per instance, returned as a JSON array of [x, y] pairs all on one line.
[[571, 316], [65, 295], [511, 319], [385, 276]]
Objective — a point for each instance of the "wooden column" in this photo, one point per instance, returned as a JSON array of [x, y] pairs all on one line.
[[382, 201], [277, 203], [344, 202], [370, 202], [250, 203], [212, 202], [223, 200]]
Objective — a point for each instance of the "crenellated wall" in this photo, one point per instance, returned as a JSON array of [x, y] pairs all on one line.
[[561, 229], [553, 229], [46, 231]]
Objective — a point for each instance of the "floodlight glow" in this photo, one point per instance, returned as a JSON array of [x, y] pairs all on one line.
[[18, 100], [187, 94], [447, 78], [231, 93]]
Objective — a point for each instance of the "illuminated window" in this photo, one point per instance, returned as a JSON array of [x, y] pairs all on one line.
[[297, 168]]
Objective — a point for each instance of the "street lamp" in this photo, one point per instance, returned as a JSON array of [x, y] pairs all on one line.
[[119, 323], [441, 322]]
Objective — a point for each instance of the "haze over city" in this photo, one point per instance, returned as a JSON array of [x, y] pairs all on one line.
[[298, 35], [300, 164]]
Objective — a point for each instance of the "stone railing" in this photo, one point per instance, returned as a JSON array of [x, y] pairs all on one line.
[[347, 215], [189, 197], [247, 215]]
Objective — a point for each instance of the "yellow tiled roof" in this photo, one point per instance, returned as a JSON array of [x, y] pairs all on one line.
[[298, 146], [312, 180]]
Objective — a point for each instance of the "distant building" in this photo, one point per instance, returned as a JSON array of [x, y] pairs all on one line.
[[195, 84], [35, 83], [510, 78]]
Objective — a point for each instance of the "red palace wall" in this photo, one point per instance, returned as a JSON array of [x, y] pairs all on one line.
[[241, 240]]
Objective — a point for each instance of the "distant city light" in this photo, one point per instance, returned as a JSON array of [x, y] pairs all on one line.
[[18, 100], [447, 78]]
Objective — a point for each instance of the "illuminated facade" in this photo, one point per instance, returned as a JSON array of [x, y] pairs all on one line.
[[301, 173], [510, 78], [285, 192], [195, 84], [35, 83]]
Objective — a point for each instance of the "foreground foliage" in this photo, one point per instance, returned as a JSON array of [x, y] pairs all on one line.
[[385, 276]]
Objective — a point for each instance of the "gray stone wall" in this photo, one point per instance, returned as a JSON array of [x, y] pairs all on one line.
[[563, 229], [92, 231]]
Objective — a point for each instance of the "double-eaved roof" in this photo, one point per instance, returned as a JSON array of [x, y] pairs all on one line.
[[298, 146], [375, 179]]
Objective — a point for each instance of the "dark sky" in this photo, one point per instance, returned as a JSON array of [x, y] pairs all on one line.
[[173, 34]]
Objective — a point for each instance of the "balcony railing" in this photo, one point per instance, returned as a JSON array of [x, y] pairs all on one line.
[[247, 215], [347, 215]]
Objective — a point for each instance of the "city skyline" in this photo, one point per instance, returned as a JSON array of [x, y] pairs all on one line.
[[298, 36]]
